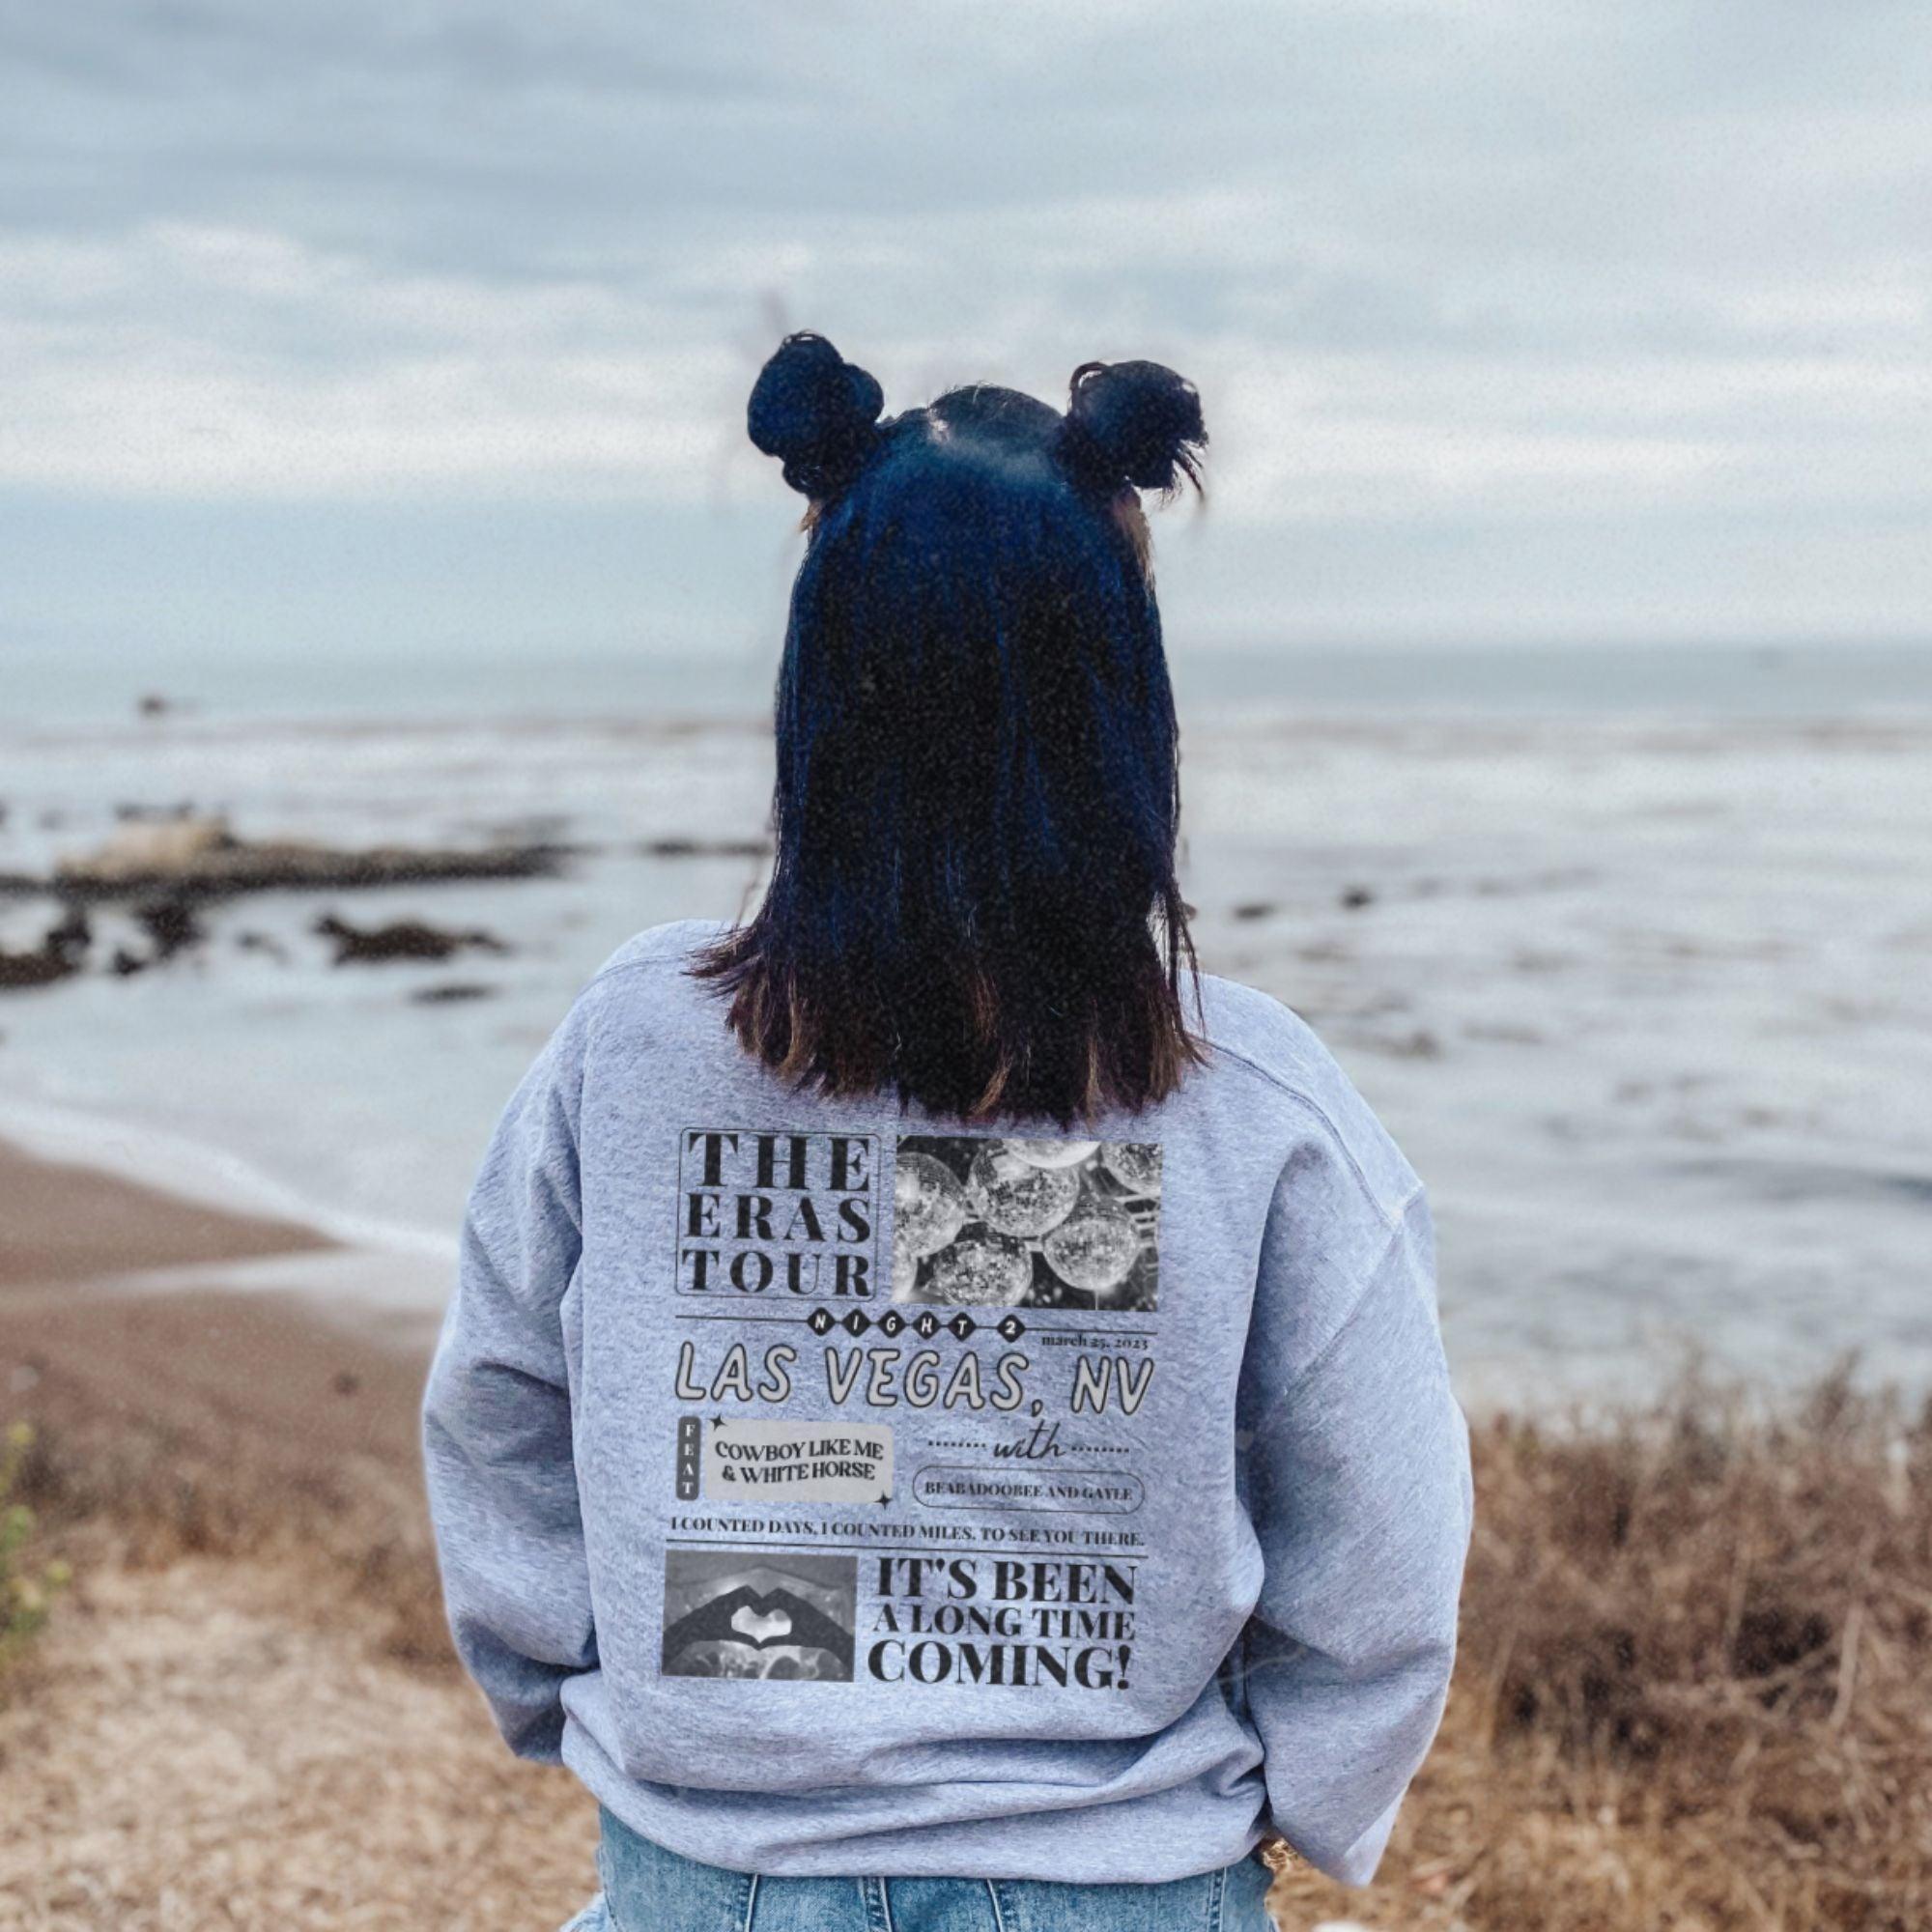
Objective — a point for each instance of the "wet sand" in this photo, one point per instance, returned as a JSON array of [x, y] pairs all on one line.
[[62, 1223]]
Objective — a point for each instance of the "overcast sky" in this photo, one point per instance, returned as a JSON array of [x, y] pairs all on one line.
[[378, 324]]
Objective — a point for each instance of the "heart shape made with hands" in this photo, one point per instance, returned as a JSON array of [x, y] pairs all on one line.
[[761, 1620], [761, 1627]]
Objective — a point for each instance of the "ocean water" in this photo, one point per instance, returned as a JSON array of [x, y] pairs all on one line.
[[1644, 988], [76, 683]]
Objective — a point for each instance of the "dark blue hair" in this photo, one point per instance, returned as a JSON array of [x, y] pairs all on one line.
[[974, 901]]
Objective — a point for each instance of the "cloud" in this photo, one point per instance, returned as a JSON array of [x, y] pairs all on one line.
[[231, 362], [1448, 264], [224, 362]]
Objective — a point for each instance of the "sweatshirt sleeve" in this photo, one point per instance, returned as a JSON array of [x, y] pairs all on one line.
[[1357, 1474], [496, 1420]]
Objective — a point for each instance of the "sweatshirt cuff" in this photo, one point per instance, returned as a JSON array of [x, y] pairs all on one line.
[[1357, 1864]]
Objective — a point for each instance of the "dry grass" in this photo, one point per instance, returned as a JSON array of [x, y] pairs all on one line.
[[115, 1486], [1693, 1691], [246, 1713]]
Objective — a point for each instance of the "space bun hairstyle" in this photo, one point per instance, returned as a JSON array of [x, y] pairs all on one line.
[[1128, 425], [1132, 424], [816, 413], [973, 897]]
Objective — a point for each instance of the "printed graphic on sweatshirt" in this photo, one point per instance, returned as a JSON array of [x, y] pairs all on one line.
[[778, 1214], [1014, 1623], [1026, 1224], [916, 1397], [800, 1462], [746, 1614]]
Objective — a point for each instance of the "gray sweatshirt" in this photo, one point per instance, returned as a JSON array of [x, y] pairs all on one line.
[[838, 1493]]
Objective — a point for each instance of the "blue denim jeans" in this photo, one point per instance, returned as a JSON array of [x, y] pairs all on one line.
[[647, 1889]]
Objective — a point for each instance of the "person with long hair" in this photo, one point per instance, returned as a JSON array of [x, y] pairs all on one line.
[[943, 1421]]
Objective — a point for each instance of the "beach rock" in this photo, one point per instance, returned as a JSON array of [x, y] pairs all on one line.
[[1421, 1044], [200, 855], [401, 939], [704, 848], [127, 809], [453, 993], [171, 927], [148, 849], [171, 924], [59, 954], [72, 932]]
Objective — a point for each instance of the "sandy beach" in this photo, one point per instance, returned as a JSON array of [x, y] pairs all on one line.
[[65, 1223], [244, 1711]]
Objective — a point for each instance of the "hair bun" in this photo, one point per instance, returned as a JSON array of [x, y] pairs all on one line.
[[815, 412], [1137, 424]]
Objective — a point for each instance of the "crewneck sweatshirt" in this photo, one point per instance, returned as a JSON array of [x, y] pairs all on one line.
[[839, 1489]]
